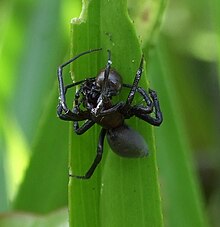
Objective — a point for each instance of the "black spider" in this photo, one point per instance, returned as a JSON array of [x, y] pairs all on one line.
[[93, 104]]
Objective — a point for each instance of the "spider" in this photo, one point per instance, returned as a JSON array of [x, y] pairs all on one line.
[[93, 104]]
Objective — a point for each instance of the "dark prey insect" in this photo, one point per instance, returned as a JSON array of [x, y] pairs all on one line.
[[93, 104]]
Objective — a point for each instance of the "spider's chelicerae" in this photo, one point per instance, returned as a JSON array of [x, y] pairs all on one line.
[[95, 96]]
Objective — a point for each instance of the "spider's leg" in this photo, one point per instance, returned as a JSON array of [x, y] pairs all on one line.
[[80, 130], [115, 108], [67, 114], [104, 92], [77, 95], [106, 74], [75, 115], [143, 93], [97, 158], [87, 124], [62, 97], [73, 85], [139, 112], [135, 83], [70, 116]]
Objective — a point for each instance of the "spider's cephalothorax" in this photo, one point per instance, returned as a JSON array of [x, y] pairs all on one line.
[[93, 92], [93, 104], [114, 82]]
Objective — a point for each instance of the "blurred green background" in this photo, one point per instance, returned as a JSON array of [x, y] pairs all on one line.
[[35, 39]]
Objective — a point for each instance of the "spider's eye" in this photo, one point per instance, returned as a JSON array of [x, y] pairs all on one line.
[[114, 82]]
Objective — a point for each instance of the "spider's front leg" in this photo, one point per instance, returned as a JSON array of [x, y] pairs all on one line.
[[79, 130], [135, 82], [63, 111], [68, 115], [142, 113], [88, 123]]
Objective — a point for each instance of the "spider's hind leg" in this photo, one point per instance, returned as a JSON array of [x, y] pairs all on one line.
[[97, 158], [143, 114], [149, 104], [79, 130]]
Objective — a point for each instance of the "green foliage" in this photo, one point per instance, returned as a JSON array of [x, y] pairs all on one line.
[[105, 200], [182, 65], [174, 157], [28, 109], [55, 219]]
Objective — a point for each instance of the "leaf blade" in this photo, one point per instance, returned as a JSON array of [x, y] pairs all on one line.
[[114, 35]]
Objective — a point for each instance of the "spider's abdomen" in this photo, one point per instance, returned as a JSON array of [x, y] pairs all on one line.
[[126, 142]]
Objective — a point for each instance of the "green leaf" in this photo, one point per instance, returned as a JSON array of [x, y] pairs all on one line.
[[55, 219], [34, 103], [216, 18], [44, 187], [122, 192], [180, 187]]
